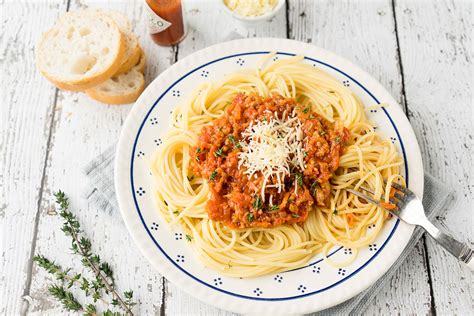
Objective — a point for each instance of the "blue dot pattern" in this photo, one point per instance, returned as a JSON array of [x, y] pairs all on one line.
[[140, 191], [258, 292], [302, 288], [217, 281], [278, 278]]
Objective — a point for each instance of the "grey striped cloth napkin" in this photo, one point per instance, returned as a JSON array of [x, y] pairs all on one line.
[[437, 197]]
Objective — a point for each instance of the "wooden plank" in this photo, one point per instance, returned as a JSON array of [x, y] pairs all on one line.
[[26, 112], [208, 25], [436, 48], [82, 130], [364, 33]]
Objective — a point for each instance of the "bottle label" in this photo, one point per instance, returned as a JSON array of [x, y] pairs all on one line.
[[155, 23]]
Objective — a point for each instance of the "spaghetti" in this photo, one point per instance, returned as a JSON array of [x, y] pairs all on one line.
[[245, 249]]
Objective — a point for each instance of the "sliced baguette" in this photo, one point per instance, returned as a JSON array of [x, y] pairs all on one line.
[[121, 89], [140, 66], [80, 51], [132, 49], [133, 56]]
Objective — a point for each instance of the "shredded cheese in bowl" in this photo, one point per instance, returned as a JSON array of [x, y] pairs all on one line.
[[251, 8]]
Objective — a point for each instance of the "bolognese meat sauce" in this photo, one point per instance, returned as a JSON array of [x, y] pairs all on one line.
[[243, 198]]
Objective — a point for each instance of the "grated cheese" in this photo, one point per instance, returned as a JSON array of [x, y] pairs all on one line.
[[274, 148], [251, 7]]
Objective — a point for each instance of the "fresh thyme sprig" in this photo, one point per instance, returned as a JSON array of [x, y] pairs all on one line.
[[104, 279]]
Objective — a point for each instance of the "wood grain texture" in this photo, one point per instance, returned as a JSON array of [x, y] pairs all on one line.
[[83, 129], [43, 147], [26, 109], [364, 32], [208, 25], [436, 48]]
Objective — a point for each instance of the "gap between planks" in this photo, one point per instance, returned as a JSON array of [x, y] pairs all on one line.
[[407, 113], [26, 292]]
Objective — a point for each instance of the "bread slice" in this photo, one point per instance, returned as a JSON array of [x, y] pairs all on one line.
[[80, 51], [132, 49], [121, 89], [132, 57], [140, 66]]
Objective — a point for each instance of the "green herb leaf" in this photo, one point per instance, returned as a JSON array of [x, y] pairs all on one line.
[[175, 212], [198, 151], [294, 215], [189, 238], [338, 139], [334, 212], [313, 187], [190, 178], [128, 294], [299, 179], [257, 202], [274, 208], [65, 297], [90, 310], [250, 217], [305, 154], [306, 109], [213, 175], [219, 152], [234, 141]]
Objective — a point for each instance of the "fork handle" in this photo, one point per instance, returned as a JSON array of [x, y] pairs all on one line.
[[458, 249]]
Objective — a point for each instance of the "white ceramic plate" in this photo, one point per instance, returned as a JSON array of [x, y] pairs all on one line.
[[312, 288]]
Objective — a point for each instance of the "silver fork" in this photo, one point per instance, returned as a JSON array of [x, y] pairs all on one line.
[[405, 205]]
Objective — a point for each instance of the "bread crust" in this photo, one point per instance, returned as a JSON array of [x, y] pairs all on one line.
[[129, 63], [88, 81], [97, 95]]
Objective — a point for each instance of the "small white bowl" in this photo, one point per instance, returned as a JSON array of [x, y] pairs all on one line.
[[252, 20]]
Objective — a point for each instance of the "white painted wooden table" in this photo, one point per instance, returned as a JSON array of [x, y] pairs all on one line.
[[421, 51]]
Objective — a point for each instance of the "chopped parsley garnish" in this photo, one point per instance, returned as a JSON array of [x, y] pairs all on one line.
[[335, 212], [198, 151], [233, 141], [219, 152], [306, 109], [313, 187], [299, 179], [189, 238], [274, 208], [190, 178], [250, 217], [338, 139], [257, 202], [305, 154], [294, 215], [175, 212], [291, 200], [213, 175]]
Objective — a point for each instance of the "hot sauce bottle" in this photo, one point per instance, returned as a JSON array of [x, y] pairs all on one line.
[[166, 21]]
